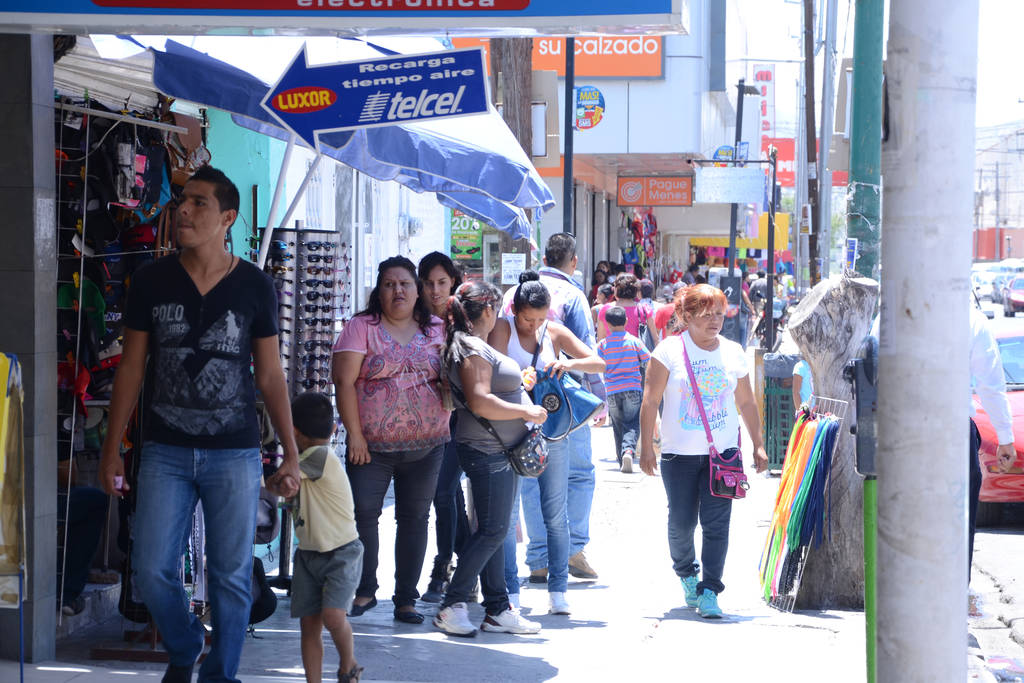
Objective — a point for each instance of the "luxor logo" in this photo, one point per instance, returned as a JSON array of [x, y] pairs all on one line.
[[304, 100]]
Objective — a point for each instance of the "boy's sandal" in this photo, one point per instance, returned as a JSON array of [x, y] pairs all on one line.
[[352, 676]]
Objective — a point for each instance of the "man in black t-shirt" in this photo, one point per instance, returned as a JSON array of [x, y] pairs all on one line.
[[202, 318]]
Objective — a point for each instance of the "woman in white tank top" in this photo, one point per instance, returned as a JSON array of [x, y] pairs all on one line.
[[517, 337]]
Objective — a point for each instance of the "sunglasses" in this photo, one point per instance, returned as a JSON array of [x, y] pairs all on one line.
[[313, 270], [313, 308], [277, 270], [313, 345], [313, 296], [316, 246], [310, 383], [313, 282], [281, 245], [317, 258], [312, 358], [318, 321], [281, 282], [282, 257]]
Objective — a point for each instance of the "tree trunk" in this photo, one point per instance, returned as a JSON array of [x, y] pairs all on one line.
[[829, 326], [512, 85]]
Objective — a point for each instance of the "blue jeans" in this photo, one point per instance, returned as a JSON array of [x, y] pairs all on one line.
[[624, 411], [511, 562], [547, 523], [581, 488], [227, 482], [415, 476], [451, 524], [687, 486], [494, 488]]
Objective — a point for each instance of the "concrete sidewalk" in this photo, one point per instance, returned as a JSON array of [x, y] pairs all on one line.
[[629, 624]]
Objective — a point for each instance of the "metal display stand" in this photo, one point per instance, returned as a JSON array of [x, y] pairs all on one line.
[[312, 272]]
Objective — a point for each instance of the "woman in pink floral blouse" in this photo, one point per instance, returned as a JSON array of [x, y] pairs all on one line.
[[386, 372]]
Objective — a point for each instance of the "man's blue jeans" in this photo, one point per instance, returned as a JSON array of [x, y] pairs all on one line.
[[227, 483], [544, 506], [579, 499], [624, 411], [494, 489], [687, 486]]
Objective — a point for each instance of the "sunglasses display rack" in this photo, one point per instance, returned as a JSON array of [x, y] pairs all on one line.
[[312, 273]]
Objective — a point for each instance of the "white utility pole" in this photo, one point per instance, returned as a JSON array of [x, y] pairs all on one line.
[[828, 76], [923, 386]]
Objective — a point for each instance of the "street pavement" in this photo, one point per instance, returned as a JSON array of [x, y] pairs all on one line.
[[630, 624]]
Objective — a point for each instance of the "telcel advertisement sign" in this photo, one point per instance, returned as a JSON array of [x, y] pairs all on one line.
[[377, 92]]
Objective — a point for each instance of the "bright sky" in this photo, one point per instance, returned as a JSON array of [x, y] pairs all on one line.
[[1000, 53]]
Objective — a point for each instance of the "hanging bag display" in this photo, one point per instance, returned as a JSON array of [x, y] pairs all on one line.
[[727, 479]]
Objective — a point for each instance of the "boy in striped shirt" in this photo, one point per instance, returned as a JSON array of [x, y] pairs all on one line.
[[625, 357]]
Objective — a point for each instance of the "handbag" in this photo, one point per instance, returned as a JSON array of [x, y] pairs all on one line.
[[725, 470], [529, 457], [568, 404]]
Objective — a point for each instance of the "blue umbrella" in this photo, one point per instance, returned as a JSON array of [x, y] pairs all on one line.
[[473, 163]]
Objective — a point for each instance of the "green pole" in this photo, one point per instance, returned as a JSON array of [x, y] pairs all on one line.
[[865, 188], [870, 576]]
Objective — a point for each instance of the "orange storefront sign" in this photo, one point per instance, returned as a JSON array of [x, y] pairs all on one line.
[[656, 191], [596, 56]]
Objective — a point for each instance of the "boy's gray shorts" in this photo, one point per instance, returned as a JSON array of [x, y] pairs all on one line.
[[326, 579]]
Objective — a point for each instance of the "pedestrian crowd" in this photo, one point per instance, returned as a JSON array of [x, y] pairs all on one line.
[[432, 381]]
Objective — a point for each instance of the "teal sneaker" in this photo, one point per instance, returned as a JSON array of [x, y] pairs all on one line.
[[690, 590], [707, 605]]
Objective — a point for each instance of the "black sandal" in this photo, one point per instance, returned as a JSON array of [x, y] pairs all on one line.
[[352, 676]]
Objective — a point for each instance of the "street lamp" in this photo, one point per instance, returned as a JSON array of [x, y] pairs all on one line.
[[742, 89]]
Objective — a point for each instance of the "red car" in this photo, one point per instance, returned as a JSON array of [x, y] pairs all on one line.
[[998, 487], [1013, 297]]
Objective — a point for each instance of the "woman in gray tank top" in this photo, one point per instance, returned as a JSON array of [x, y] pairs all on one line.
[[484, 384]]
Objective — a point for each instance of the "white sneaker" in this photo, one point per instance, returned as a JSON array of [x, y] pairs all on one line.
[[509, 621], [559, 605], [454, 620], [627, 464], [513, 599]]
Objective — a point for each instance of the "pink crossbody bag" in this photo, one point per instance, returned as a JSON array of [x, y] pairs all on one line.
[[725, 470]]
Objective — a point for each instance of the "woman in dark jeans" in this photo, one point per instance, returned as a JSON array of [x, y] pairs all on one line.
[[440, 278], [486, 385], [386, 370]]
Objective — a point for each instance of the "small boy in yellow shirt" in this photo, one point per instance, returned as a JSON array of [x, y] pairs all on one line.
[[329, 558]]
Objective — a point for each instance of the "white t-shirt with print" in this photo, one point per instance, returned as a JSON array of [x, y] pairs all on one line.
[[717, 373]]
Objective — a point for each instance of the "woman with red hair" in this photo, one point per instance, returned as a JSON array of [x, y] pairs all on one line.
[[719, 370]]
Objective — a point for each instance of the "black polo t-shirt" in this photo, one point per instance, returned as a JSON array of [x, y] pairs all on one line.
[[199, 384]]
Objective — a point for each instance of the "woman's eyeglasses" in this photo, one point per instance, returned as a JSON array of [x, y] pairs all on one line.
[[314, 295], [313, 282], [317, 258], [318, 321], [316, 246], [313, 345], [313, 308], [313, 270]]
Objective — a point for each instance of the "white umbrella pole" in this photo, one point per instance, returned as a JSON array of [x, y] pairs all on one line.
[[278, 191], [301, 191]]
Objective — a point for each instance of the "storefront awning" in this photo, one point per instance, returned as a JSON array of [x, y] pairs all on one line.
[[759, 242], [472, 155]]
